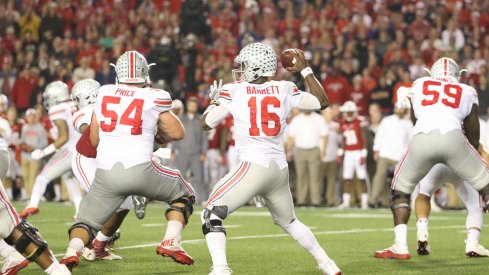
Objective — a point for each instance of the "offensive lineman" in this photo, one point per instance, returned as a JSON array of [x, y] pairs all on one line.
[[260, 107], [18, 233], [84, 94], [439, 106], [353, 152], [126, 118], [56, 101]]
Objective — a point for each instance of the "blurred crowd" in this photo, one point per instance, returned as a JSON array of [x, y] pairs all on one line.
[[360, 50]]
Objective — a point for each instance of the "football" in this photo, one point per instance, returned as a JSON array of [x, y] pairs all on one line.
[[287, 58]]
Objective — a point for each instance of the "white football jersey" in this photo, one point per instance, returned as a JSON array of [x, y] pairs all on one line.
[[127, 118], [83, 116], [440, 105], [64, 111], [260, 112]]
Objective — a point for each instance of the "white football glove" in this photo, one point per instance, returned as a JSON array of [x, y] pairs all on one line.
[[215, 89], [403, 98], [37, 154]]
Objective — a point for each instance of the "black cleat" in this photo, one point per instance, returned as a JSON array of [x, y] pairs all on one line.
[[423, 248]]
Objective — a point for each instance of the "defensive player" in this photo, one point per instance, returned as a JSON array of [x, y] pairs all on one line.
[[353, 152], [84, 93], [57, 101], [18, 233], [437, 176], [260, 107], [125, 120], [440, 104]]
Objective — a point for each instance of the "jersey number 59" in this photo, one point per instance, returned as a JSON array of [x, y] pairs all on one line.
[[135, 121], [451, 96]]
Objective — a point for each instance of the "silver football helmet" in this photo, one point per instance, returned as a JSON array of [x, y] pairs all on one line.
[[54, 93], [446, 69], [255, 60], [132, 68], [3, 103], [349, 110], [84, 92]]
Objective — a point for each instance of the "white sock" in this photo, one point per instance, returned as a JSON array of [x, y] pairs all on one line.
[[37, 191], [473, 235], [76, 244], [101, 237], [422, 226], [346, 199], [401, 233], [5, 250], [304, 236], [57, 192], [216, 242], [173, 229], [364, 198]]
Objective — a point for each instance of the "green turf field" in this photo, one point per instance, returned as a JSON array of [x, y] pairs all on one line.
[[256, 246]]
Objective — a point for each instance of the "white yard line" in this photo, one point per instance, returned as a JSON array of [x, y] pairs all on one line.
[[266, 236]]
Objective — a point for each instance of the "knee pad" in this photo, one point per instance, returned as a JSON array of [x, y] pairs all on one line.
[[400, 200], [212, 219], [29, 236], [187, 210], [91, 231]]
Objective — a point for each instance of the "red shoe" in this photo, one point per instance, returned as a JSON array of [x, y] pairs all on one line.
[[28, 212], [391, 253], [101, 253], [70, 262], [12, 270], [172, 248]]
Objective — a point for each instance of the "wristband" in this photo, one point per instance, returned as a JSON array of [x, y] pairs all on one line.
[[340, 152], [306, 71], [49, 150], [364, 153]]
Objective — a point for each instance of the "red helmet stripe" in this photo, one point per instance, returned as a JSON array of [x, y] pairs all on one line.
[[132, 65], [445, 66]]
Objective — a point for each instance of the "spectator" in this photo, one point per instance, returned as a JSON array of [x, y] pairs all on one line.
[[452, 37], [22, 89], [360, 95], [7, 77], [106, 74], [30, 22], [483, 90], [382, 95], [391, 141], [167, 59], [33, 136], [336, 85], [192, 149], [329, 167], [309, 136], [84, 71]]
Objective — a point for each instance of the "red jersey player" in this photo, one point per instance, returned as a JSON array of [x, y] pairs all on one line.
[[353, 151]]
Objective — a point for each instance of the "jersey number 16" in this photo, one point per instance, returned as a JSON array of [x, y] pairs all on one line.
[[265, 117]]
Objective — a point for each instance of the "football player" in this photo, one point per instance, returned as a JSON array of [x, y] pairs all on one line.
[[352, 153], [215, 160], [18, 233], [125, 119], [56, 100], [259, 107], [440, 104], [84, 93]]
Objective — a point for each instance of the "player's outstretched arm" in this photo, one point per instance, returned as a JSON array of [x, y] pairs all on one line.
[[94, 138], [63, 132], [472, 127], [170, 128], [312, 82]]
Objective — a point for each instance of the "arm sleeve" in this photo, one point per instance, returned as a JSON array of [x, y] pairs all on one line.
[[226, 95], [58, 112], [162, 101]]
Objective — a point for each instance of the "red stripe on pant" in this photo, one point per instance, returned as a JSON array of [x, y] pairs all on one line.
[[80, 170], [396, 173], [229, 183], [54, 162], [10, 209], [169, 172]]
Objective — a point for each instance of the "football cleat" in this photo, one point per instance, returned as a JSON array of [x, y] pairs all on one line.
[[474, 249], [221, 271], [71, 259], [139, 203], [172, 248], [102, 253], [396, 251], [88, 253], [13, 263], [423, 248], [29, 212], [115, 237], [330, 268]]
